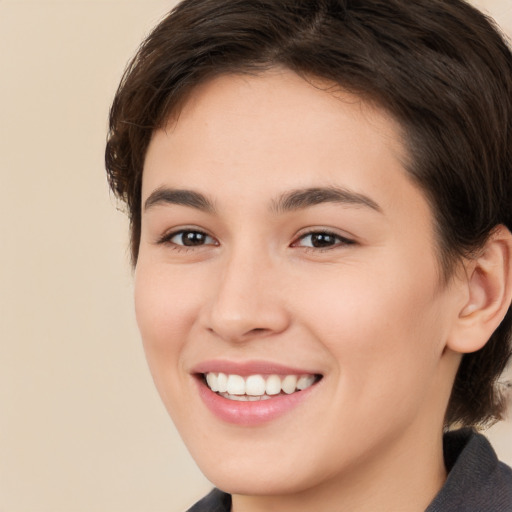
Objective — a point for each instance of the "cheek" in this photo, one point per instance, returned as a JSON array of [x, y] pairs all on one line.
[[385, 334], [165, 310], [164, 305]]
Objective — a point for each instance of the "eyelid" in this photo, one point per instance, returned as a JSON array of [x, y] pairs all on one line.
[[170, 234], [342, 239]]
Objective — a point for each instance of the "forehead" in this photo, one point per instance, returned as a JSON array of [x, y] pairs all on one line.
[[283, 98], [273, 119]]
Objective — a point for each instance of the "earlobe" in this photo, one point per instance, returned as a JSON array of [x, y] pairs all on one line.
[[489, 286]]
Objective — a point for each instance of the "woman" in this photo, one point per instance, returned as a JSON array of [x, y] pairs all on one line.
[[320, 202]]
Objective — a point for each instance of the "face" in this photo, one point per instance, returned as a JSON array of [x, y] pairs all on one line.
[[286, 257]]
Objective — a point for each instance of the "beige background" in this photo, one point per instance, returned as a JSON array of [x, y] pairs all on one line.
[[81, 427]]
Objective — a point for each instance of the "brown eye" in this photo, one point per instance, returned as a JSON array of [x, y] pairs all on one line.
[[190, 238], [322, 240]]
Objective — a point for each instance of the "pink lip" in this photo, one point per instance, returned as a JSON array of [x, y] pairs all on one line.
[[249, 413], [249, 368]]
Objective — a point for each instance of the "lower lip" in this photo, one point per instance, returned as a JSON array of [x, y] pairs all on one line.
[[251, 413]]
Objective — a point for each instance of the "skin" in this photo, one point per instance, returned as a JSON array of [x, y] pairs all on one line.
[[372, 316]]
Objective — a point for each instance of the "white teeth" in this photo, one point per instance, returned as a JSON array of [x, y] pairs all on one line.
[[245, 398], [212, 381], [236, 385], [222, 382], [273, 385], [256, 387], [289, 384], [305, 381]]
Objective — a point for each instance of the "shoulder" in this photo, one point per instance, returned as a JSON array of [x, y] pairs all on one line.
[[477, 480], [215, 501]]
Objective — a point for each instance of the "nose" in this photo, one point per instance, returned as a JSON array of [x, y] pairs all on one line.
[[247, 300]]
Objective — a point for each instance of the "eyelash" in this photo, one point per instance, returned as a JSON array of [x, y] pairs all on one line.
[[166, 239], [340, 240]]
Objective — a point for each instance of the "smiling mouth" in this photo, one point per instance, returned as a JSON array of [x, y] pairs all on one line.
[[253, 388]]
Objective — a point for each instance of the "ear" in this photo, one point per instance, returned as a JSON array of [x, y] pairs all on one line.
[[489, 294]]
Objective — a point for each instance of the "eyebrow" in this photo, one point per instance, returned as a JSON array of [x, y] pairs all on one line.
[[164, 195], [307, 197], [290, 201]]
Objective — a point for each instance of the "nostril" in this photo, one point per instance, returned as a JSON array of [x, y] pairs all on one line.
[[257, 330]]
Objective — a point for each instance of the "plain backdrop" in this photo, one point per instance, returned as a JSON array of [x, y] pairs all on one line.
[[81, 427]]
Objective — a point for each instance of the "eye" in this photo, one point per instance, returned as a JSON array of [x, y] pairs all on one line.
[[188, 238], [321, 240]]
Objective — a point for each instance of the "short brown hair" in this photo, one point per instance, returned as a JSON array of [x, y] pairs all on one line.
[[440, 67]]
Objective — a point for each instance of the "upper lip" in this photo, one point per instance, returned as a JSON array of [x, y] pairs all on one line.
[[245, 368]]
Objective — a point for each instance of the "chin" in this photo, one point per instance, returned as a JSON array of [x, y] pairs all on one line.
[[254, 473], [254, 483]]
